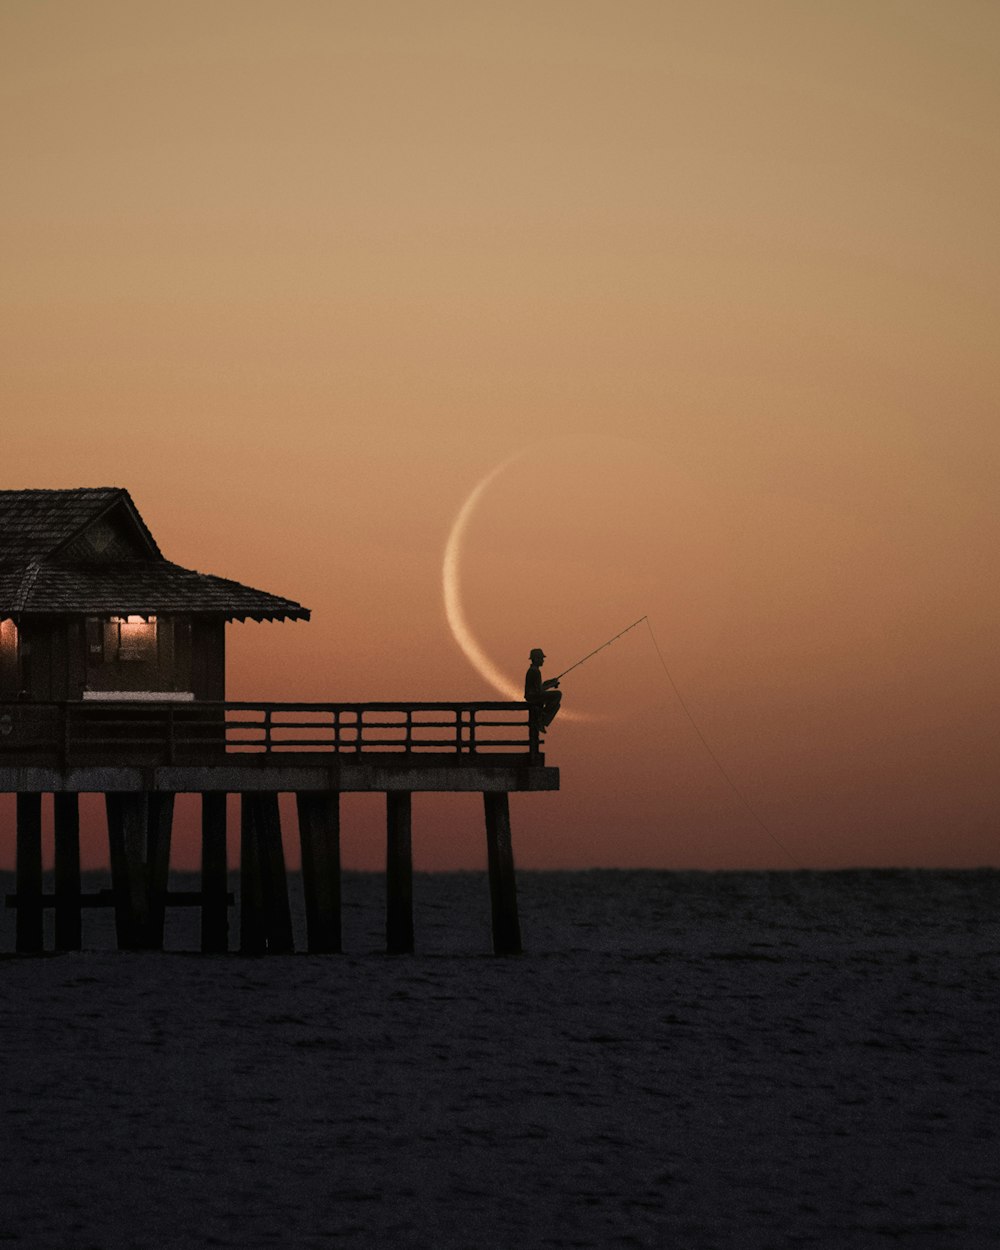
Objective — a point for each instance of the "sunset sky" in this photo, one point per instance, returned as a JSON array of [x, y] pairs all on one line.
[[723, 277]]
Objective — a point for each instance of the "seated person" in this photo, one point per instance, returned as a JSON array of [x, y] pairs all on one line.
[[542, 695]]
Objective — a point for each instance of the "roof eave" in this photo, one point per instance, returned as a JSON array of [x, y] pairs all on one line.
[[296, 614], [147, 610]]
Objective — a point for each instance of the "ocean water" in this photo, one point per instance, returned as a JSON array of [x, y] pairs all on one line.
[[623, 912], [679, 1059]]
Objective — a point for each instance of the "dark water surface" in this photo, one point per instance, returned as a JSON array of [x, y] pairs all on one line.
[[619, 911], [679, 1059]]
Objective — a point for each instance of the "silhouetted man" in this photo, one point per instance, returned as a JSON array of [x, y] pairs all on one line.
[[542, 695]]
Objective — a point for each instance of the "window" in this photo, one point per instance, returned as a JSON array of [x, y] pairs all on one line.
[[8, 657], [133, 638]]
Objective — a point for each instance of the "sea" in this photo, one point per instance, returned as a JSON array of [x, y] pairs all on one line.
[[678, 1059]]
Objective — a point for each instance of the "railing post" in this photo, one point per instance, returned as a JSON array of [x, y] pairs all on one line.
[[267, 729], [408, 746], [472, 729]]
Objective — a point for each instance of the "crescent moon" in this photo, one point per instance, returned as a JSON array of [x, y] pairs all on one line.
[[453, 610]]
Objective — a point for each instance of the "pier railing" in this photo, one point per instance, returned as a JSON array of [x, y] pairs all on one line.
[[203, 732]]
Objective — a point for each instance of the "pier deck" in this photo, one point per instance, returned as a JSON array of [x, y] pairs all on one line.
[[140, 753]]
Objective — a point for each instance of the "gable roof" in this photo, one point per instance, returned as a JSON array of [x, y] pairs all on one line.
[[36, 523], [88, 551]]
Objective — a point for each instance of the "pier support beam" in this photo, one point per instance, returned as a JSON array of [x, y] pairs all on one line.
[[127, 815], [139, 826], [503, 887], [29, 928], [67, 854], [160, 820], [319, 836], [265, 915], [214, 876], [253, 931], [398, 874]]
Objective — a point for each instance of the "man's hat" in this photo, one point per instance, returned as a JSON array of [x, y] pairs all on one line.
[[537, 654]]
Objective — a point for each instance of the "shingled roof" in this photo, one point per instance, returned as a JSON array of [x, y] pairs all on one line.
[[36, 523], [88, 551]]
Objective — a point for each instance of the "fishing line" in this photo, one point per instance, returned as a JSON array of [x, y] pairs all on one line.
[[715, 759], [695, 726]]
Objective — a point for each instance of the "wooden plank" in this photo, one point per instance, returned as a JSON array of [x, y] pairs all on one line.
[[503, 887], [398, 874], [69, 931], [29, 928], [214, 875], [319, 837]]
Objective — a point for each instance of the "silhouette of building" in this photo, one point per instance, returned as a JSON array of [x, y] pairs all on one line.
[[91, 609], [113, 681]]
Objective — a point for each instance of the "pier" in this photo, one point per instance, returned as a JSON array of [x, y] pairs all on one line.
[[113, 681], [139, 755]]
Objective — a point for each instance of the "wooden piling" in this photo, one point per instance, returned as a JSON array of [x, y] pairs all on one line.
[[214, 876], [398, 874], [29, 929], [253, 934], [160, 817], [265, 915], [277, 911], [128, 820], [139, 844], [68, 935], [319, 837], [503, 887]]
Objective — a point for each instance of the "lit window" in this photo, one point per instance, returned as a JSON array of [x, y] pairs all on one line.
[[8, 637], [136, 637]]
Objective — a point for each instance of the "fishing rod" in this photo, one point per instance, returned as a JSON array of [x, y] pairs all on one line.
[[600, 648]]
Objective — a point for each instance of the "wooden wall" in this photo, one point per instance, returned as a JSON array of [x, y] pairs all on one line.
[[208, 658], [61, 657], [43, 659]]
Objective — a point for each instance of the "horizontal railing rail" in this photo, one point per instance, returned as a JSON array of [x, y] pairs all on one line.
[[173, 732]]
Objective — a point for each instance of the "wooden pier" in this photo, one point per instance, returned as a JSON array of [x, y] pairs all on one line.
[[113, 681], [139, 755]]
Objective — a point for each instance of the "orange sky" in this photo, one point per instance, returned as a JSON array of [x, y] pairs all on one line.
[[300, 274]]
